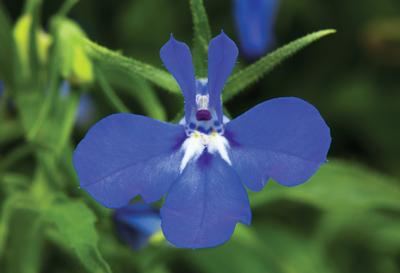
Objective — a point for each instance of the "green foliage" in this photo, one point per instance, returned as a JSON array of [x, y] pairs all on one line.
[[338, 186], [345, 219], [114, 61], [7, 52], [75, 64], [202, 36], [74, 224], [351, 200], [245, 77], [110, 94]]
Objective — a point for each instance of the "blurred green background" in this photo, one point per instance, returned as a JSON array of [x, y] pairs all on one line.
[[346, 219]]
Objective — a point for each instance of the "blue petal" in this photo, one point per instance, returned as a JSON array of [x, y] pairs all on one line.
[[177, 59], [137, 223], [285, 139], [255, 21], [222, 54], [86, 110], [1, 88], [124, 155], [204, 204], [65, 89]]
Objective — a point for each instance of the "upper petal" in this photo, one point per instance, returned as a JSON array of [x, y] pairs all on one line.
[[285, 139], [222, 54], [254, 21], [204, 204], [124, 155], [177, 59]]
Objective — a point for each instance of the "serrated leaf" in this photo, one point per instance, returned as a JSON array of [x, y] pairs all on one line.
[[74, 221], [110, 60], [249, 75], [337, 185], [202, 36]]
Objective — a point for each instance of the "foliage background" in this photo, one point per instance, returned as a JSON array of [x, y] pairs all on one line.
[[346, 219]]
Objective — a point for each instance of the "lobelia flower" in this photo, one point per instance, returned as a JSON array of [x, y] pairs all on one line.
[[255, 22], [137, 224], [203, 165]]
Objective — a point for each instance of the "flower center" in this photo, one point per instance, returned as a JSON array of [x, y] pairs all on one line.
[[203, 119], [198, 142], [204, 131]]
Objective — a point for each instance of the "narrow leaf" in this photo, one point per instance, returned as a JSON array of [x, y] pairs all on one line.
[[202, 36], [245, 77], [110, 60]]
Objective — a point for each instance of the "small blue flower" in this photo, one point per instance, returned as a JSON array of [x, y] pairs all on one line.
[[136, 224], [202, 165], [255, 24], [85, 112], [1, 88]]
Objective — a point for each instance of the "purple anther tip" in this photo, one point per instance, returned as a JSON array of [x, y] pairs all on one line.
[[203, 115]]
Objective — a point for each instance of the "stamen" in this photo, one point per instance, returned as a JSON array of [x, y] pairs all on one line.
[[202, 102], [198, 142]]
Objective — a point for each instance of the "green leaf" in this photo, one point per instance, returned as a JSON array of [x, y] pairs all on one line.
[[24, 242], [74, 222], [245, 77], [12, 203], [74, 63], [337, 186], [267, 248], [109, 60], [8, 55], [381, 229], [202, 36]]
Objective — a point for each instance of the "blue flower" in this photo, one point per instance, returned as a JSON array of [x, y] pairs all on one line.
[[203, 165], [255, 22], [1, 88], [137, 224], [85, 111]]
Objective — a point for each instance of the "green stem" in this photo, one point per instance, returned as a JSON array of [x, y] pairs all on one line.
[[66, 7], [110, 93]]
